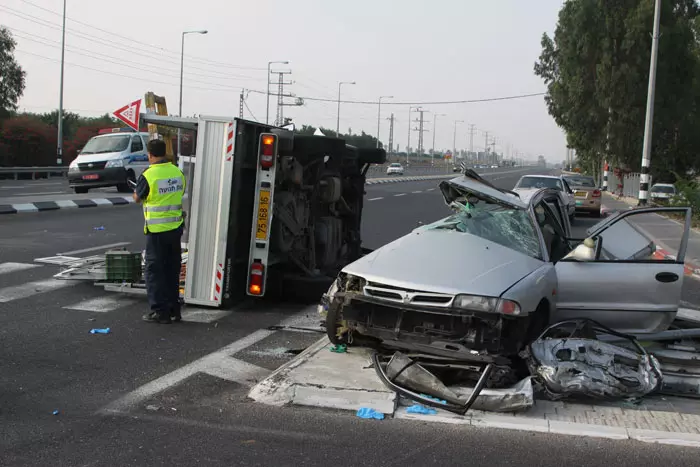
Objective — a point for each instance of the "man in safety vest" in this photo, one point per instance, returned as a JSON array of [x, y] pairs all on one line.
[[160, 188]]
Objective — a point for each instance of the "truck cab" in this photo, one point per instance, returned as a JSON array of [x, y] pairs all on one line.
[[109, 159]]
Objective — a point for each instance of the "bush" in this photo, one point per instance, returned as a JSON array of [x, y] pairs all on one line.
[[688, 194]]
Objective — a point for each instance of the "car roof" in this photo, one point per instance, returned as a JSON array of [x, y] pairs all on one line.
[[664, 184], [540, 176]]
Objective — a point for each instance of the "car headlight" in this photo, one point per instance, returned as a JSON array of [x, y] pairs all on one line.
[[327, 298], [73, 166], [486, 304], [114, 163]]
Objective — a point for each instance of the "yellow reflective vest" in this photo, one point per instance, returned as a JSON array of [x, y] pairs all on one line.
[[162, 208]]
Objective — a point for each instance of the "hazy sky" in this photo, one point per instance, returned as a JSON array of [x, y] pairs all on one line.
[[416, 51]]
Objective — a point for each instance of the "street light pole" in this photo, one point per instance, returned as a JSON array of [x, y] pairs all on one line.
[[59, 145], [182, 69], [646, 152], [379, 115], [267, 106], [432, 151], [337, 125]]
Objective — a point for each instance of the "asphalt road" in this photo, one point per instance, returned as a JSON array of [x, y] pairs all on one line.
[[50, 362]]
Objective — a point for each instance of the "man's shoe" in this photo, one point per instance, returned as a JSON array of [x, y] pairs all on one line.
[[176, 317], [154, 317]]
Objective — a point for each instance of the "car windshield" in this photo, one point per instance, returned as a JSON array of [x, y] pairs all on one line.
[[509, 227], [581, 181], [663, 189], [539, 182], [104, 144]]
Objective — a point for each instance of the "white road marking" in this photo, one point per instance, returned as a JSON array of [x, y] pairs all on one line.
[[419, 191], [375, 199], [101, 202], [25, 207], [94, 248], [6, 268], [219, 363], [400, 194], [430, 189], [28, 289], [101, 304]]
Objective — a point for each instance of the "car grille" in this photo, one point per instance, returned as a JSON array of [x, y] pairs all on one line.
[[88, 166], [406, 296]]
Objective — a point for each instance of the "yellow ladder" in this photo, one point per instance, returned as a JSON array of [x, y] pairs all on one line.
[[156, 105]]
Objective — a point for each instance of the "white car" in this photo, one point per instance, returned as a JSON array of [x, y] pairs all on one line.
[[394, 169], [530, 183], [662, 191]]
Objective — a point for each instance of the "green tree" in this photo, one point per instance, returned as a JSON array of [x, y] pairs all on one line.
[[596, 69], [11, 75]]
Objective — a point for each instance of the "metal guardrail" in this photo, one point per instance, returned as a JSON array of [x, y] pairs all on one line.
[[63, 170]]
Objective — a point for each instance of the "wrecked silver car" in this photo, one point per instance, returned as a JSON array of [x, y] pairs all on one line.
[[484, 282]]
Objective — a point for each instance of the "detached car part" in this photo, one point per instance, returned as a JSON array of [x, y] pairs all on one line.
[[578, 364]]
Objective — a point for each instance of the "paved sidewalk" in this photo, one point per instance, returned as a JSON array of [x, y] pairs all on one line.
[[346, 381]]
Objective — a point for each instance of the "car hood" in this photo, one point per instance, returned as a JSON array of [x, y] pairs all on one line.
[[445, 261], [103, 156]]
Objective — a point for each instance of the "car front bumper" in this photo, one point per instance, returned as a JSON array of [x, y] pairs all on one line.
[[97, 178]]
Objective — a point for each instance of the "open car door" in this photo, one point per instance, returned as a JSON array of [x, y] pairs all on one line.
[[633, 283]]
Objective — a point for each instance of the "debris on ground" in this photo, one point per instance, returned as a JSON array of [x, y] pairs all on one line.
[[55, 412], [420, 409], [153, 408], [568, 359], [100, 331], [339, 348], [102, 227], [366, 412]]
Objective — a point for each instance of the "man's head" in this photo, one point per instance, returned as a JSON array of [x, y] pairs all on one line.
[[156, 151]]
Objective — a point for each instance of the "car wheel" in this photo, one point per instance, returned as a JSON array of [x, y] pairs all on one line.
[[124, 187], [81, 190]]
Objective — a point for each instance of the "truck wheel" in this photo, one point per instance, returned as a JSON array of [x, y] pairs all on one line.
[[124, 187], [80, 190]]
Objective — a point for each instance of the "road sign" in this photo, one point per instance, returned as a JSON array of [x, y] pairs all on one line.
[[130, 114]]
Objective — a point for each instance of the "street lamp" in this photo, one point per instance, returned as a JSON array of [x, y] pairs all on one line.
[[182, 68], [379, 115], [337, 125], [408, 145], [59, 145], [267, 111], [454, 142], [432, 151]]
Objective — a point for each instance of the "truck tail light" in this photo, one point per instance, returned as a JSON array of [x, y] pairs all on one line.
[[255, 281], [596, 193], [268, 150]]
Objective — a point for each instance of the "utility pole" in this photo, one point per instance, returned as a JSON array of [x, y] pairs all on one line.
[[646, 155], [337, 125], [240, 104], [279, 120], [420, 134], [495, 155], [59, 145], [472, 127], [267, 111], [391, 133], [379, 115], [408, 144], [486, 147]]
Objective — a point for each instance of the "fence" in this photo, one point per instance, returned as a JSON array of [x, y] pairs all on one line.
[[15, 171], [629, 182]]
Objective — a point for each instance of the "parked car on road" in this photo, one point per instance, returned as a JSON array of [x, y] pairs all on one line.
[[536, 182], [485, 281], [394, 169], [586, 193]]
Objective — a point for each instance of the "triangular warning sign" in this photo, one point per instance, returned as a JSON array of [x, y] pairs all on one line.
[[130, 114]]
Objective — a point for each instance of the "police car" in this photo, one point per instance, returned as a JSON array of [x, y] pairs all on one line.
[[113, 158]]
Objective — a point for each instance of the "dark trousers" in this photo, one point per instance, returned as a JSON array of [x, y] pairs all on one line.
[[162, 273]]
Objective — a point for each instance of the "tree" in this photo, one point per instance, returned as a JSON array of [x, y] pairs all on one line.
[[596, 69], [11, 75], [27, 141]]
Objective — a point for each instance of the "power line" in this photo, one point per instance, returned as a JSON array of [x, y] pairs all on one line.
[[250, 111], [162, 49]]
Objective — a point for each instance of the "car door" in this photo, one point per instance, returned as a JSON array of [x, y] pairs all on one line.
[[634, 283], [568, 195], [138, 159]]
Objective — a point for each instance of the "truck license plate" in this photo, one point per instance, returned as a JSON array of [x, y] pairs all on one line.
[[91, 177], [263, 215]]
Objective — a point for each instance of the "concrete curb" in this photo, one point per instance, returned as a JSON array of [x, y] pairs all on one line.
[[41, 206]]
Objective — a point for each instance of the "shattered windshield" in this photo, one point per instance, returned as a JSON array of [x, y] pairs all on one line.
[[581, 181], [509, 227]]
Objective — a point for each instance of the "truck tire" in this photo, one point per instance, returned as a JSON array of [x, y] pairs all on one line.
[[81, 190]]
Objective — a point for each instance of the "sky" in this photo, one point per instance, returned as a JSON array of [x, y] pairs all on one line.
[[416, 51]]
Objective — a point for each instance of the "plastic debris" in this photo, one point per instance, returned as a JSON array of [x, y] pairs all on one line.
[[100, 331], [55, 412], [340, 348], [102, 227], [153, 408], [439, 401], [366, 412], [420, 409]]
